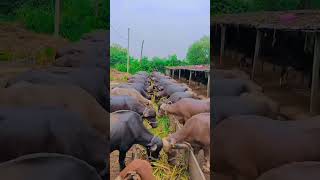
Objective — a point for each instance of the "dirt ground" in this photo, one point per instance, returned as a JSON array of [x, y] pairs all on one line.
[[114, 163], [196, 87], [294, 94], [21, 44]]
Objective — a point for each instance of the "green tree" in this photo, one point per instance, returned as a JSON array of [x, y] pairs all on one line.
[[199, 51], [118, 55]]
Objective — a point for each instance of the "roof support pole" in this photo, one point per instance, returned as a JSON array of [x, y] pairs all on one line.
[[256, 53], [208, 86], [223, 38], [190, 77], [179, 73], [172, 73], [315, 74]]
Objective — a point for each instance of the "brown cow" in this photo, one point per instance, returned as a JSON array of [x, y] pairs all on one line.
[[72, 98], [294, 171], [185, 108], [247, 146], [137, 169], [196, 131], [130, 92]]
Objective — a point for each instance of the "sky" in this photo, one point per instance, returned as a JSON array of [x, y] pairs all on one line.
[[166, 26]]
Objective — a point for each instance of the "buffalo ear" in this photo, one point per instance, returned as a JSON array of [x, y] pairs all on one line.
[[154, 147]]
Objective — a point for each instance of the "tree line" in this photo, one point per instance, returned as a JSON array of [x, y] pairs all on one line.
[[77, 16], [198, 53]]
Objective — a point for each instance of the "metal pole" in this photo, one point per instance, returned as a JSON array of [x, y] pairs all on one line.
[[223, 37], [141, 52], [190, 77], [208, 86], [315, 75], [256, 53], [128, 60]]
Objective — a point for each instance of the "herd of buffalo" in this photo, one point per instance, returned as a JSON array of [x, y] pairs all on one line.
[[54, 120], [130, 104], [252, 140]]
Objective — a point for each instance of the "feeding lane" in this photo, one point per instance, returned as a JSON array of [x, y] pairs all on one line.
[[190, 163]]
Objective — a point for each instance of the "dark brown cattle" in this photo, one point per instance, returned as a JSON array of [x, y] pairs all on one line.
[[47, 166], [248, 146], [226, 106], [35, 130], [234, 87], [294, 171], [229, 74], [72, 98]]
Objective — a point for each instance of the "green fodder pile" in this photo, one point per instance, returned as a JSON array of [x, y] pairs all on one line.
[[161, 169]]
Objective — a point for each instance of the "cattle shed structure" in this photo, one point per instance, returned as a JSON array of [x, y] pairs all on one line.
[[289, 38], [199, 73]]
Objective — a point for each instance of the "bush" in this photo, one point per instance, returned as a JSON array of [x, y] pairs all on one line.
[[77, 16]]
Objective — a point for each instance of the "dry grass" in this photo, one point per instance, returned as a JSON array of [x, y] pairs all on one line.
[[17, 43]]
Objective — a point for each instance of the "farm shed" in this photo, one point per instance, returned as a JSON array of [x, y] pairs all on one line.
[[199, 73], [286, 38]]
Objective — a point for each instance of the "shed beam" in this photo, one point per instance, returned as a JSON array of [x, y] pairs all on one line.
[[173, 73], [223, 38], [315, 74], [179, 73], [256, 53], [208, 86]]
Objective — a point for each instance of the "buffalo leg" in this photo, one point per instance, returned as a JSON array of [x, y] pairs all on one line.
[[122, 158]]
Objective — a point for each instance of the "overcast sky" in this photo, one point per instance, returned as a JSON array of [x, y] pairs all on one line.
[[167, 26]]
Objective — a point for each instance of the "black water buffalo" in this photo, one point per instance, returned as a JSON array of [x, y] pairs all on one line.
[[139, 80], [175, 97], [127, 129], [229, 74], [226, 106], [47, 166], [43, 129], [132, 104], [71, 98], [309, 170], [144, 73], [233, 87], [248, 146], [93, 80], [90, 51], [169, 90], [141, 88]]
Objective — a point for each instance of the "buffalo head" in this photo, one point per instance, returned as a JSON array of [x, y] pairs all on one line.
[[162, 110], [150, 114], [154, 148]]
